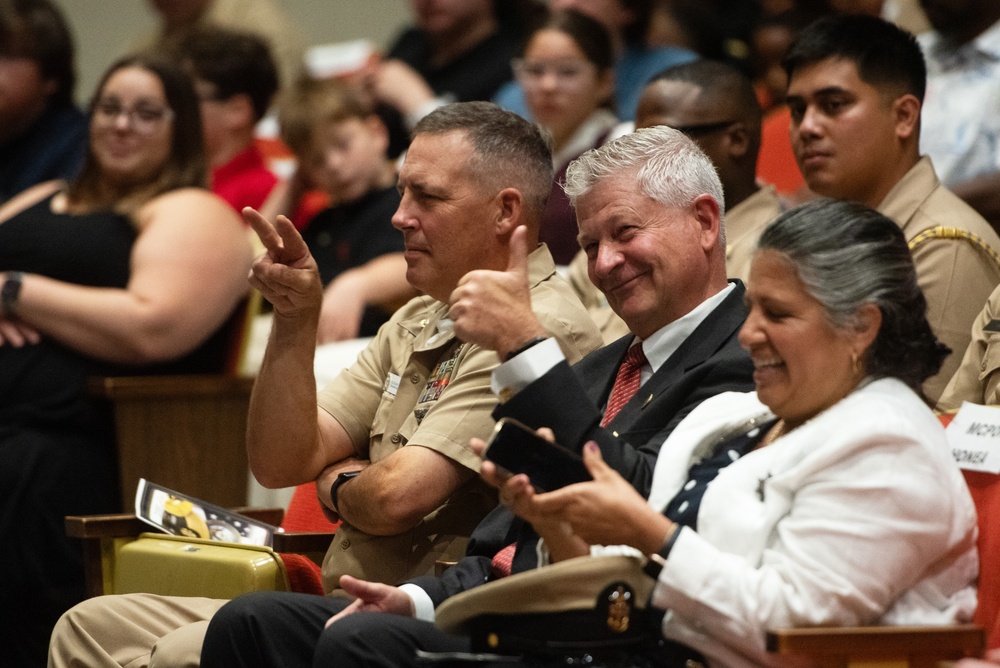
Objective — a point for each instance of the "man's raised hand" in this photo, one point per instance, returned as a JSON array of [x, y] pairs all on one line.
[[286, 273], [492, 309]]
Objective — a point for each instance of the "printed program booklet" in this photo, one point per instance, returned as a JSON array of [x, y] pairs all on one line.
[[182, 515]]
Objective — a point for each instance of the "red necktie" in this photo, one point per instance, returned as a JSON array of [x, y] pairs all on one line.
[[503, 561], [626, 383]]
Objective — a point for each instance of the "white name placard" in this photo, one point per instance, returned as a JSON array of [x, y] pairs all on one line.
[[974, 437]]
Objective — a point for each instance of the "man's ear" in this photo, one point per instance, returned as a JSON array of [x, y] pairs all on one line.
[[906, 110], [706, 212], [737, 141], [510, 210]]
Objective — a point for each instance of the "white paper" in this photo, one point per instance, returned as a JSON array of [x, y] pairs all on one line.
[[974, 437]]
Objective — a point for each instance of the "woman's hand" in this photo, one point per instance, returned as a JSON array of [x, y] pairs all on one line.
[[517, 493], [605, 511], [17, 334]]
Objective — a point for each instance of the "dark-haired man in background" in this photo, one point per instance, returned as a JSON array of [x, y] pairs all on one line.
[[856, 86]]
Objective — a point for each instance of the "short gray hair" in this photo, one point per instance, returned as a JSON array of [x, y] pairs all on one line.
[[508, 151], [847, 256], [668, 167]]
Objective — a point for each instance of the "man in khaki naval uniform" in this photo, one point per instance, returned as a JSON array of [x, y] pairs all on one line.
[[715, 105], [855, 89], [978, 377], [398, 422]]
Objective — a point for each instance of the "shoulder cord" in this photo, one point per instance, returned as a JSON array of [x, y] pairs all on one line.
[[940, 232]]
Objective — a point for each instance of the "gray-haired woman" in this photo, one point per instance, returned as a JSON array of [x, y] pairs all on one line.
[[826, 497]]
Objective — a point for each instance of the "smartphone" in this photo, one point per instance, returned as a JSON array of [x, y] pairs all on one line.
[[516, 448]]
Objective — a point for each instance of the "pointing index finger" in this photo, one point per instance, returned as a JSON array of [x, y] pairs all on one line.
[[263, 229]]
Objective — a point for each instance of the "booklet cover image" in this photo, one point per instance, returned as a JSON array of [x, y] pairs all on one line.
[[181, 515]]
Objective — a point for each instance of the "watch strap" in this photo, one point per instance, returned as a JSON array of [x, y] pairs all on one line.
[[335, 487], [656, 562], [10, 292]]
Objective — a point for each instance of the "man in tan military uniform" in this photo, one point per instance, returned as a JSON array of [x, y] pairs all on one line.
[[415, 359], [978, 377], [856, 130], [398, 422], [715, 105]]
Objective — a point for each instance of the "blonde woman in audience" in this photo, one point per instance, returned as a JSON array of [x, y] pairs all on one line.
[[132, 267]]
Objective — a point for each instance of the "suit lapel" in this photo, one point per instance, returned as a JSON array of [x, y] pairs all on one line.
[[598, 370], [714, 331]]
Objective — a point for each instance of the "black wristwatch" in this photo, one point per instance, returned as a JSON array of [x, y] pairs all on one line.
[[9, 292], [335, 487], [656, 562]]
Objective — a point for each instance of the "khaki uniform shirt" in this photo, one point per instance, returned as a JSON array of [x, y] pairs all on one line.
[[416, 384], [956, 276], [744, 225], [978, 377]]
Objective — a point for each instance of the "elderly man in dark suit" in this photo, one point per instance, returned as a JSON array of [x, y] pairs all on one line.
[[650, 213]]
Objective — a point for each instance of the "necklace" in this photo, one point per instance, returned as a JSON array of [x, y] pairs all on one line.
[[773, 434]]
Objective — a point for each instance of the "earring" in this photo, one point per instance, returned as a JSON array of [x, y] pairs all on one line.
[[855, 363]]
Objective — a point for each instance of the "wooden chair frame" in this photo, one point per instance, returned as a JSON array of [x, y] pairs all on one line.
[[878, 646]]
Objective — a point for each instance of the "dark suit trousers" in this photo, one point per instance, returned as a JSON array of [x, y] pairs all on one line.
[[281, 629]]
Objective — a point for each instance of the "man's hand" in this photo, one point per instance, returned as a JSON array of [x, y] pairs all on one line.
[[286, 273], [399, 85], [492, 309], [373, 597]]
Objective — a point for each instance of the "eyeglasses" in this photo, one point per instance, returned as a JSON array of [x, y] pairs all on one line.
[[567, 73], [143, 119], [702, 129]]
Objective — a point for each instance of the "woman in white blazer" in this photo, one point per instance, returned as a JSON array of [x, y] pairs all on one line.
[[826, 497]]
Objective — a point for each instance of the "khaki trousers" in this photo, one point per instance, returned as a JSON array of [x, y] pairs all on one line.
[[132, 631]]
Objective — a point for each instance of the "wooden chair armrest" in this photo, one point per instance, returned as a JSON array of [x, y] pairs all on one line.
[[302, 542], [124, 524], [104, 526], [160, 387], [832, 646]]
